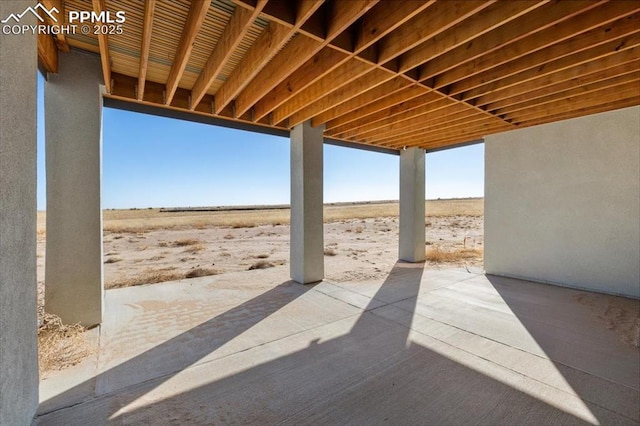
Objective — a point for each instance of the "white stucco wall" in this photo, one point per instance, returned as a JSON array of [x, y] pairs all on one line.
[[562, 203]]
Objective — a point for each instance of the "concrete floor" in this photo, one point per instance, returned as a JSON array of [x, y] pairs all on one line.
[[442, 347]]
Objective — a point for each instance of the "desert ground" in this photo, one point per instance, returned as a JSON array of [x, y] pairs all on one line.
[[145, 246]]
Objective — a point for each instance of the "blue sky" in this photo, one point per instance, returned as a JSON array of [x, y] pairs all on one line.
[[152, 161]]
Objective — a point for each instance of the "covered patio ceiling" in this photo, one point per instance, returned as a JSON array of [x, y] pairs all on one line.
[[387, 73]]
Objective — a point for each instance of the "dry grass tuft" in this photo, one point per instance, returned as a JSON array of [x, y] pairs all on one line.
[[238, 225], [201, 272], [438, 255], [185, 242], [149, 276], [194, 249], [330, 251], [60, 345], [262, 264], [113, 260]]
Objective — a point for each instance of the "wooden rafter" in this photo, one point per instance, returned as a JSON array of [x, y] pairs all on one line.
[[612, 84], [388, 73], [536, 58], [149, 8], [299, 51], [103, 42], [60, 38], [195, 19], [233, 34], [394, 116], [365, 99], [537, 20], [47, 53], [436, 110], [265, 48], [626, 69], [329, 83], [459, 32], [563, 69], [307, 74], [547, 42]]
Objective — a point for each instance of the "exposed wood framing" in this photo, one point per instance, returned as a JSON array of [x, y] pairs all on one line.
[[103, 42], [59, 37], [195, 19], [233, 34], [266, 47], [387, 73], [47, 53], [149, 9]]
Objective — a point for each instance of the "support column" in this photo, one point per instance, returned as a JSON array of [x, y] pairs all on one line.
[[307, 245], [412, 199], [73, 113], [18, 316]]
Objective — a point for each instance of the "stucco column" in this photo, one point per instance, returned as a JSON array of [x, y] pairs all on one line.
[[412, 199], [73, 113], [18, 346], [307, 246]]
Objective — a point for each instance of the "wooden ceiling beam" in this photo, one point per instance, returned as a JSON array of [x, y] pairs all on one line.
[[329, 83], [103, 42], [47, 53], [371, 28], [391, 87], [582, 100], [270, 42], [460, 122], [370, 80], [195, 19], [395, 114], [436, 19], [231, 37], [600, 57], [560, 95], [124, 88], [463, 31], [622, 103], [530, 57], [516, 29], [441, 114], [546, 43], [400, 138], [623, 70], [385, 18], [60, 38], [434, 109], [147, 28], [309, 73], [461, 134], [299, 51], [447, 18]]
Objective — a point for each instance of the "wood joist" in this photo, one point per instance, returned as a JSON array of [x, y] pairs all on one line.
[[382, 72]]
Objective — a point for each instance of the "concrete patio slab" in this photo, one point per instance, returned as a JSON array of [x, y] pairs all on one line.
[[422, 347]]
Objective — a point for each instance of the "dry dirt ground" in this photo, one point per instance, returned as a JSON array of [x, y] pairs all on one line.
[[361, 241]]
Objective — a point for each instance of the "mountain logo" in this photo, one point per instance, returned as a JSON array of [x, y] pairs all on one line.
[[36, 12]]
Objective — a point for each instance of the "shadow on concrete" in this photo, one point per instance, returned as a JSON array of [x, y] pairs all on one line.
[[371, 374], [600, 368], [188, 348]]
